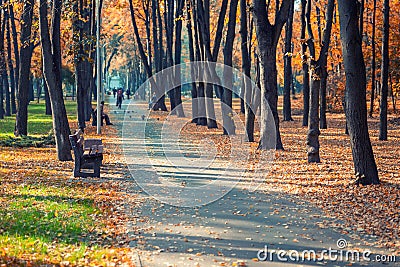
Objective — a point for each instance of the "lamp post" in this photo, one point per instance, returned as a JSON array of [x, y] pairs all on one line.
[[98, 66]]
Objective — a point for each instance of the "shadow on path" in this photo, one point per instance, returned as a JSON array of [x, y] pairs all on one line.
[[229, 230]]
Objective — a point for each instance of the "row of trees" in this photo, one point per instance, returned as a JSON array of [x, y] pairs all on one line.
[[156, 38], [269, 19]]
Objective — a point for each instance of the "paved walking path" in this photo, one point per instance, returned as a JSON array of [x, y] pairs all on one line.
[[227, 232]]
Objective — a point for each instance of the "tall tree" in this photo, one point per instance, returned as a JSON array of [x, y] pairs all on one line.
[[203, 19], [146, 59], [178, 55], [246, 68], [3, 65], [304, 59], [169, 28], [1, 71], [226, 98], [268, 36], [384, 73], [195, 106], [355, 94], [51, 53], [318, 71], [199, 56], [83, 62], [14, 36], [11, 73], [288, 76], [25, 55], [373, 60]]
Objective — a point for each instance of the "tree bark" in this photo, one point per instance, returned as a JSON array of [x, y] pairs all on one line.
[[248, 89], [11, 73], [202, 117], [3, 66], [51, 53], [318, 79], [304, 59], [288, 76], [21, 124], [15, 46], [204, 28], [203, 19], [81, 26], [192, 59], [373, 61], [226, 99], [384, 73], [315, 79], [47, 98], [268, 35], [146, 60], [356, 111], [178, 54]]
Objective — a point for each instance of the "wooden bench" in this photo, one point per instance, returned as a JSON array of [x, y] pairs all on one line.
[[88, 155]]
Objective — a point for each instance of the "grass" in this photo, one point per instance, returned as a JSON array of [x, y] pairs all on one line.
[[52, 223], [45, 219], [39, 124]]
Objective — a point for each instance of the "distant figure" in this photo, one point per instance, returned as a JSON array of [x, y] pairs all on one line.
[[128, 93], [120, 97], [114, 92], [104, 116], [153, 101]]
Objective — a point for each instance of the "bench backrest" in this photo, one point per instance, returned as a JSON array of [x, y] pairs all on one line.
[[77, 143]]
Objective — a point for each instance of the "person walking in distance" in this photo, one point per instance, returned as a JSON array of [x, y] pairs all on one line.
[[120, 97]]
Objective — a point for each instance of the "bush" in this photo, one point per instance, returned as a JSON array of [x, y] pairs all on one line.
[[29, 141]]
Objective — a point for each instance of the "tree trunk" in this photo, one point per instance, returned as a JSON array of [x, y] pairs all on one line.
[[267, 37], [1, 101], [81, 58], [203, 19], [318, 79], [47, 98], [51, 53], [202, 117], [384, 73], [21, 124], [157, 60], [195, 111], [304, 59], [288, 76], [38, 89], [226, 99], [248, 88], [10, 64], [373, 61], [146, 59], [160, 38], [15, 47], [323, 124], [356, 111], [315, 83], [178, 54], [3, 66]]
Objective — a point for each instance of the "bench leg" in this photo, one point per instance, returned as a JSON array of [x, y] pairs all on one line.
[[77, 169], [96, 168]]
